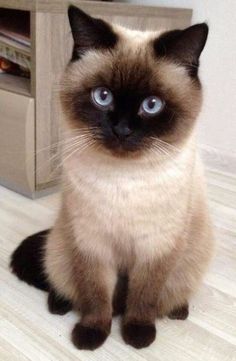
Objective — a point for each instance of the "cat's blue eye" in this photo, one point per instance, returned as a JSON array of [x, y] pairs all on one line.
[[102, 97], [151, 106]]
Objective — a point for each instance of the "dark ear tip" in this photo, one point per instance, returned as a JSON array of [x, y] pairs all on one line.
[[71, 9], [201, 32], [205, 30], [203, 27], [74, 12]]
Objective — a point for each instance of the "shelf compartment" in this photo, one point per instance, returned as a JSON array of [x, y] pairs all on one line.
[[15, 84], [15, 43]]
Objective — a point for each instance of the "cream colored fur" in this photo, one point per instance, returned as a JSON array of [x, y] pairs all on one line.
[[120, 211]]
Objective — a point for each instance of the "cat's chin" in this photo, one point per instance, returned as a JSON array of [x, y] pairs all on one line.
[[121, 151], [126, 154]]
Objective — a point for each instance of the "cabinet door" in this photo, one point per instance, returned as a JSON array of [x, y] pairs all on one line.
[[53, 44], [17, 142]]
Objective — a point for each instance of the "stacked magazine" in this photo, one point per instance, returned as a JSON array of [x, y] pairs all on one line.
[[14, 44]]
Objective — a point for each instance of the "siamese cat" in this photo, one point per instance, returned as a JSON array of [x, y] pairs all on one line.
[[133, 234]]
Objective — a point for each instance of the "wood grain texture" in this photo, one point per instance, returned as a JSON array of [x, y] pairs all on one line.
[[17, 163], [29, 332], [36, 5], [98, 7]]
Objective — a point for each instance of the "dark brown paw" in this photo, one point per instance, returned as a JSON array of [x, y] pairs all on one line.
[[139, 335], [180, 313], [57, 304], [88, 338]]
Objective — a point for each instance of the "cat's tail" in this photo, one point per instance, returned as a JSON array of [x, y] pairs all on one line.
[[26, 261]]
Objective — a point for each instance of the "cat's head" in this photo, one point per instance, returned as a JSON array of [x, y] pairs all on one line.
[[127, 89]]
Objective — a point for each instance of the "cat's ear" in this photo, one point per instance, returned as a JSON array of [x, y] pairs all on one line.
[[183, 46], [89, 33]]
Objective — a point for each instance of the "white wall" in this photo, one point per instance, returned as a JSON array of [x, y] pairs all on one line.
[[217, 122]]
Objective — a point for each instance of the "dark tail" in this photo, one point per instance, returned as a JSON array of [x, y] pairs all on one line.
[[26, 261]]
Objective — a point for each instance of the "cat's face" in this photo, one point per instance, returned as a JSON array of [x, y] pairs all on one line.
[[128, 89]]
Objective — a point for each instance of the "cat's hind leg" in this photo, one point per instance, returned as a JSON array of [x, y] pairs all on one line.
[[187, 275], [27, 261], [184, 281]]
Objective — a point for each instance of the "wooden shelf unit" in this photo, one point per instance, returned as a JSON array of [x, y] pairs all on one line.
[[51, 46]]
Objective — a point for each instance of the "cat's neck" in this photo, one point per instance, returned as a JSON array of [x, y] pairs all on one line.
[[92, 165]]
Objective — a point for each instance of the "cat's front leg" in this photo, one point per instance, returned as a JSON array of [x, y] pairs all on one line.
[[95, 281], [146, 280]]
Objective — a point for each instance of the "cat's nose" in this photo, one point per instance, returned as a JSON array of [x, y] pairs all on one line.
[[121, 130]]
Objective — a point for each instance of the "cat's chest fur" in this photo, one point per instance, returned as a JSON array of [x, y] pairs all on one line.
[[139, 209]]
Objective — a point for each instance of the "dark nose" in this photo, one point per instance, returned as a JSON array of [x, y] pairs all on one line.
[[121, 130]]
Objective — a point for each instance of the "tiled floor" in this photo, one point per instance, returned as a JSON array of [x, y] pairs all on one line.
[[29, 332]]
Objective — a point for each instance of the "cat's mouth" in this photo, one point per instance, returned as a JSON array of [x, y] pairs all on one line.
[[122, 146]]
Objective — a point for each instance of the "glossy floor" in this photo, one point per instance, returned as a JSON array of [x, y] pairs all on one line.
[[29, 332]]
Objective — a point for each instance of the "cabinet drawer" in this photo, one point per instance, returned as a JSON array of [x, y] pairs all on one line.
[[17, 142]]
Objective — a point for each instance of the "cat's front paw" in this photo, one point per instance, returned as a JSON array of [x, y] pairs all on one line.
[[88, 337], [138, 334]]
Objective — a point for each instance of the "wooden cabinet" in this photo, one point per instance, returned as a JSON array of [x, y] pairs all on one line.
[[51, 45], [17, 142]]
